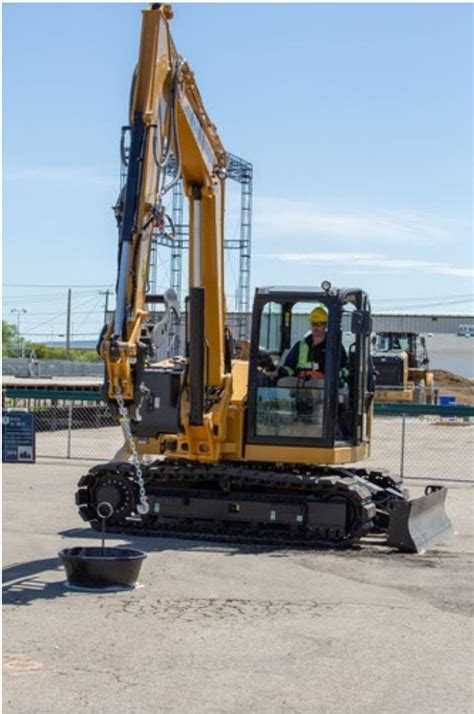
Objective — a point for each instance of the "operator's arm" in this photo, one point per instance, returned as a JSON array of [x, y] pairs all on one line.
[[344, 359], [344, 367], [289, 367]]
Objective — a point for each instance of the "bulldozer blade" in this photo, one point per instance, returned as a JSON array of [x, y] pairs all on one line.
[[416, 525]]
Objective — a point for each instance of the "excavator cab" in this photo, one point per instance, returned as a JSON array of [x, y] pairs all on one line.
[[318, 405]]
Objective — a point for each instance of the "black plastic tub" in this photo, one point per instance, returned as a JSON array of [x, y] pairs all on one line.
[[96, 568]]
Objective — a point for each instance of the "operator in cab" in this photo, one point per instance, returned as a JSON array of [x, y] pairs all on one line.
[[307, 357]]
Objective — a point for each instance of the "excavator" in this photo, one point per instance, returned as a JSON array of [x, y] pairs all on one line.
[[401, 363], [220, 448]]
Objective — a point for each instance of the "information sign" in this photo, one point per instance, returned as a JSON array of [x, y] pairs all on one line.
[[18, 437]]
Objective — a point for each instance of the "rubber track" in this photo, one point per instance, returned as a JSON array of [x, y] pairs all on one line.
[[255, 539], [280, 481]]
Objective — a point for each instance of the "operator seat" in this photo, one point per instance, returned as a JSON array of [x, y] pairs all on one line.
[[308, 395]]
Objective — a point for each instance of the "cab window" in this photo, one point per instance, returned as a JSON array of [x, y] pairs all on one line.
[[290, 370]]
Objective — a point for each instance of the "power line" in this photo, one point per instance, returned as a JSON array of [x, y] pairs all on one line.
[[21, 285], [428, 297], [90, 313], [60, 314], [43, 298], [417, 306], [76, 334], [74, 312]]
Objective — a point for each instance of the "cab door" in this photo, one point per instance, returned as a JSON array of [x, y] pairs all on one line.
[[286, 408]]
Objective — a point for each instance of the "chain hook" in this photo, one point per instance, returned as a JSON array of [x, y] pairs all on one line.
[[143, 507]]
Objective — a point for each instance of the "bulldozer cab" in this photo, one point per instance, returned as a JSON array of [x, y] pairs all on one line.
[[410, 342], [301, 397]]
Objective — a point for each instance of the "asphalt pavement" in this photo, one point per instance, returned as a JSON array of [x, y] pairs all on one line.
[[230, 628]]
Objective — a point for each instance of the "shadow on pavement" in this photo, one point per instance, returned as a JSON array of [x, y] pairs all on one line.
[[155, 544], [22, 584]]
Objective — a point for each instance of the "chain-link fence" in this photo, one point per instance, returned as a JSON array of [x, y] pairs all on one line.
[[50, 368], [435, 445], [426, 447], [75, 431]]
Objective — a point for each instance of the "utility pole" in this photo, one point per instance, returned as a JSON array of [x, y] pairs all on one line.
[[19, 312], [106, 307], [68, 323]]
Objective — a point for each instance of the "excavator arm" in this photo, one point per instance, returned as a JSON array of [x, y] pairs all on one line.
[[169, 123]]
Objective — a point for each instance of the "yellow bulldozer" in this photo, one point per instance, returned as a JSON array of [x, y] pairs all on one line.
[[252, 450], [401, 363]]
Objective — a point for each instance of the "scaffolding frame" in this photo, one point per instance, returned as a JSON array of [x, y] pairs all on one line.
[[240, 171]]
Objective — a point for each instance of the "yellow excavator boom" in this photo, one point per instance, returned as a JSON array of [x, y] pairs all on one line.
[[168, 121]]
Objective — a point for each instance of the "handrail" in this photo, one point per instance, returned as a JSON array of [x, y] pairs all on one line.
[[454, 410]]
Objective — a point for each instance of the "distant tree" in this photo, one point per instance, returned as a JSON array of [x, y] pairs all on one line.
[[84, 356], [11, 342], [45, 352], [14, 345]]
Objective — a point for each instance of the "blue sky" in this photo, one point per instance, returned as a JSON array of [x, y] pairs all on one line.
[[357, 119]]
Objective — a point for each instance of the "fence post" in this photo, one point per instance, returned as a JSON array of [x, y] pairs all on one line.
[[402, 454], [69, 430]]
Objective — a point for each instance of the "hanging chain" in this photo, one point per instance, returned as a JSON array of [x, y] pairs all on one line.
[[143, 507]]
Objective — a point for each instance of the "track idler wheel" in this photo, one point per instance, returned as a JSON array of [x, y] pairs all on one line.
[[114, 488]]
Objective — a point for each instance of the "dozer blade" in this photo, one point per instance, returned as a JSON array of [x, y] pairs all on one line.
[[416, 525]]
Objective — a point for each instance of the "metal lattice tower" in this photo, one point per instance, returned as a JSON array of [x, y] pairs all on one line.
[[182, 236], [242, 171], [238, 170]]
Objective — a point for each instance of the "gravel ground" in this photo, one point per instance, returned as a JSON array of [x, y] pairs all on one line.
[[228, 628]]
